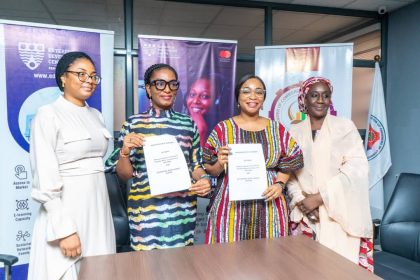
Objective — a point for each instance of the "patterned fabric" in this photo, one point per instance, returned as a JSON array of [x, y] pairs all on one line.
[[304, 88], [230, 221], [162, 221], [366, 244]]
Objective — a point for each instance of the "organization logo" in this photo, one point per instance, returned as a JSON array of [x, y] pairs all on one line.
[[285, 107], [31, 54], [225, 54], [376, 138]]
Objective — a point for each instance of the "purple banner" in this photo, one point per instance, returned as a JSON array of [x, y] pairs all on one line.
[[206, 71], [31, 56]]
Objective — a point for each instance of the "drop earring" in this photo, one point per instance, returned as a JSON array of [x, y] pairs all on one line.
[[62, 84]]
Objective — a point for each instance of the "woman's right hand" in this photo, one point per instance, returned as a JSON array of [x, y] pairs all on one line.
[[222, 155], [132, 140], [70, 246]]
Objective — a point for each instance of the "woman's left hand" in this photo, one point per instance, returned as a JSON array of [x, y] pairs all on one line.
[[272, 192], [201, 187], [309, 203]]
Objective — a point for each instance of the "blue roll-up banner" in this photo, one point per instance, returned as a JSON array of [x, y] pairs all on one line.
[[28, 56]]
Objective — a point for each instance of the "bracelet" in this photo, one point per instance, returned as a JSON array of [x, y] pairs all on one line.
[[123, 155], [281, 183], [205, 175]]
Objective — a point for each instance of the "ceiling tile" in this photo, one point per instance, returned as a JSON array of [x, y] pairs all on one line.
[[239, 16], [323, 3], [256, 34], [281, 33], [374, 5], [330, 23], [226, 32], [192, 13], [304, 37], [185, 31], [294, 20]]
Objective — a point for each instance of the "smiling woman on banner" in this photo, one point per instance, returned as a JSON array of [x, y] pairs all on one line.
[[68, 141], [329, 196], [230, 221], [199, 102], [162, 221]]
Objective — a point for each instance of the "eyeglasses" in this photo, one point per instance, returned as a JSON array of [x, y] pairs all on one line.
[[202, 96], [258, 91], [161, 84], [84, 77]]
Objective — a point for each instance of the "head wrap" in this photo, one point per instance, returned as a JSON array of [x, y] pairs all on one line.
[[64, 63], [306, 85]]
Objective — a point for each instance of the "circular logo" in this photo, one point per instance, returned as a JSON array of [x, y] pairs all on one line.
[[225, 54], [376, 138], [285, 107]]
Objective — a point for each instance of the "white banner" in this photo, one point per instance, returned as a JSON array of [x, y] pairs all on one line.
[[28, 56], [284, 68]]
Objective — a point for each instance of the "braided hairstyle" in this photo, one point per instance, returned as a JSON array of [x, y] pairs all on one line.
[[149, 72]]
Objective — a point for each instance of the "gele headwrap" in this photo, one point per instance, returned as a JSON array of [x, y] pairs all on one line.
[[304, 88]]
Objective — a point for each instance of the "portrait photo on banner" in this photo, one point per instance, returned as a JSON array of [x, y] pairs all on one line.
[[206, 72]]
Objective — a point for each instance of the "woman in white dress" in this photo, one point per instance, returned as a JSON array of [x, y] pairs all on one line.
[[68, 141]]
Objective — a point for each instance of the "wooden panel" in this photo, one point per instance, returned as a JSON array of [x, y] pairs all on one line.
[[282, 258]]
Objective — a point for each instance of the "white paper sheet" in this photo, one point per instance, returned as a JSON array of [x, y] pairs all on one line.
[[247, 172], [166, 166]]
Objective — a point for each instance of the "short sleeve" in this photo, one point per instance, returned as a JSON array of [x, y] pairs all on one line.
[[211, 148], [291, 156]]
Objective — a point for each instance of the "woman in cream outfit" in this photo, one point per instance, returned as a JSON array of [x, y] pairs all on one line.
[[68, 141], [329, 196]]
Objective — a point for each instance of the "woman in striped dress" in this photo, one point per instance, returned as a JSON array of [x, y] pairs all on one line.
[[230, 221], [162, 221]]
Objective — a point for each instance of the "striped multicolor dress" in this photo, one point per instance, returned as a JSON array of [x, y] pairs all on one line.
[[230, 221], [163, 221]]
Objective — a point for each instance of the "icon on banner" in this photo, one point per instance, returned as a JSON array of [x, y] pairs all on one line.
[[20, 172], [31, 54], [22, 235], [22, 204]]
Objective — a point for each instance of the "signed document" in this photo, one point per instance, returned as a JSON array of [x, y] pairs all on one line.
[[166, 166], [247, 172]]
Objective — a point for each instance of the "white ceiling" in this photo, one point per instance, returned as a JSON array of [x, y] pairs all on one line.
[[170, 18]]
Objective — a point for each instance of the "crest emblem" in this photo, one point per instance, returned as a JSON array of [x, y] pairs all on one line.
[[376, 138], [31, 54]]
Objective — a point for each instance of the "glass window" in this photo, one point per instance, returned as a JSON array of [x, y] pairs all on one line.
[[136, 84], [119, 92], [362, 87], [107, 15], [367, 46], [243, 68], [200, 21]]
